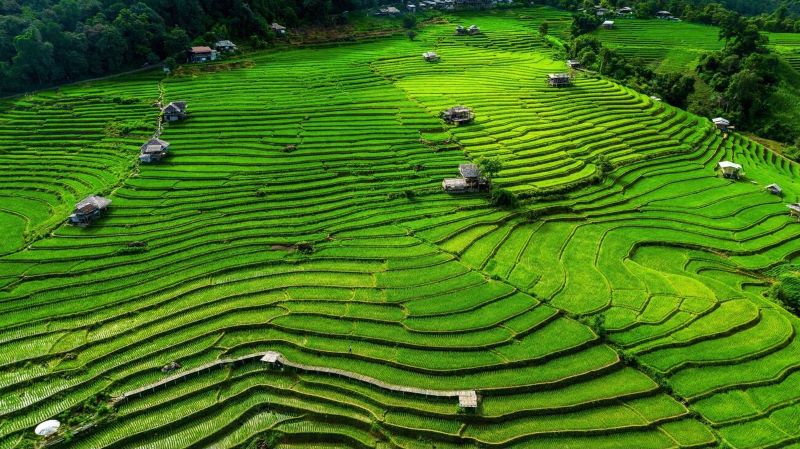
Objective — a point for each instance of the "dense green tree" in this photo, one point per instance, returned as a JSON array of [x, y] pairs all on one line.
[[34, 57]]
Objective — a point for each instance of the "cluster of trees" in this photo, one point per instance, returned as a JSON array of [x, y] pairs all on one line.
[[742, 76], [674, 88], [45, 42]]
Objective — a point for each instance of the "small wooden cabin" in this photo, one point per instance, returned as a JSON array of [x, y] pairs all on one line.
[[608, 25], [201, 54], [574, 64], [431, 56], [625, 11], [471, 30], [153, 151], [794, 210], [730, 170], [174, 111], [663, 15], [468, 400], [458, 115], [88, 210], [774, 189], [723, 125], [278, 29], [559, 80]]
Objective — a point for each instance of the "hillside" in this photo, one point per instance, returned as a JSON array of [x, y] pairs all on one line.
[[301, 211], [667, 46]]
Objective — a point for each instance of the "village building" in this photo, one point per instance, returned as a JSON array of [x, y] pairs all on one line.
[[794, 210], [774, 189], [472, 30], [201, 54], [88, 210], [431, 56], [654, 98], [153, 151], [574, 64], [730, 169], [225, 46], [47, 428], [387, 11], [664, 15], [608, 25], [468, 400], [174, 111], [625, 11], [458, 115], [412, 8], [278, 29], [600, 11], [559, 79], [723, 124], [470, 180]]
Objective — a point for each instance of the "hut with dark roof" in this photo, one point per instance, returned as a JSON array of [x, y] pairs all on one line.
[[88, 210], [458, 115], [153, 151], [174, 111]]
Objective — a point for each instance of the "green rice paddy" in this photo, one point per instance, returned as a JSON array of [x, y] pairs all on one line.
[[405, 283]]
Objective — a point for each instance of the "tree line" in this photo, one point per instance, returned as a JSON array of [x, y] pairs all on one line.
[[47, 42]]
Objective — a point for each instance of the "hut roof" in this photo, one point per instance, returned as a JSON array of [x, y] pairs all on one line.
[[794, 207], [558, 76], [224, 43], [469, 170], [271, 357], [663, 13], [729, 164], [48, 427], [175, 106], [468, 399], [430, 54], [155, 145], [608, 23], [721, 121], [201, 50], [277, 27], [91, 203], [774, 188]]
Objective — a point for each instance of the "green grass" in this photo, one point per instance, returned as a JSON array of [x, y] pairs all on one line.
[[427, 290]]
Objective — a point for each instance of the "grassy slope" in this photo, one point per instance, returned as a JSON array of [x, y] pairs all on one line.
[[677, 46], [427, 290]]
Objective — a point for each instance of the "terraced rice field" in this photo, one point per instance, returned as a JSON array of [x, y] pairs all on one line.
[[663, 45], [405, 284]]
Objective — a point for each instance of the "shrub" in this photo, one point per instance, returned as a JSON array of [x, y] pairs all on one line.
[[504, 198]]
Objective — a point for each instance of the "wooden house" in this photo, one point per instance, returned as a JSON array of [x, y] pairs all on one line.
[[430, 56], [174, 111], [600, 11], [458, 115], [88, 210], [574, 64], [774, 189], [664, 15], [273, 358], [201, 54], [387, 11], [225, 46], [559, 80], [794, 210], [278, 29], [412, 8], [608, 25], [470, 180], [730, 169], [625, 11], [723, 124], [153, 151], [471, 30]]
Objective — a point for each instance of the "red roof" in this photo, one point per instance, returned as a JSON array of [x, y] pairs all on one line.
[[200, 50]]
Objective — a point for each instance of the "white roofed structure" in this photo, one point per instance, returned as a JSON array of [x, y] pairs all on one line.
[[730, 169], [47, 428]]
